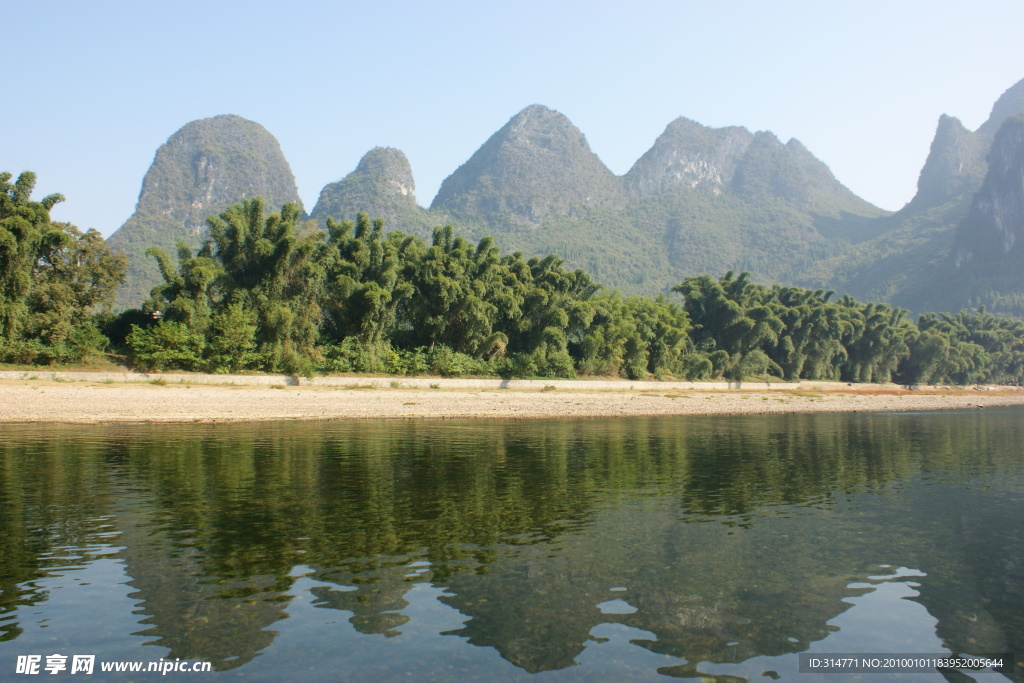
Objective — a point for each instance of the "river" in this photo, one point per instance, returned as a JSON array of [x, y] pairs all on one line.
[[710, 548]]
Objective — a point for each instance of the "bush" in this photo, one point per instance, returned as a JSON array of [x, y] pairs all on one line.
[[719, 362], [165, 345], [518, 365], [24, 352], [754, 363], [559, 364], [448, 363], [696, 366], [295, 363], [352, 356], [118, 327], [403, 362], [233, 342], [85, 341]]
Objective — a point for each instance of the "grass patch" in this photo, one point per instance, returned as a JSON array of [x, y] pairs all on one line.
[[435, 386], [159, 382], [549, 387]]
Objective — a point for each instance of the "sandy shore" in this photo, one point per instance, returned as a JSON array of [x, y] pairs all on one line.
[[45, 400]]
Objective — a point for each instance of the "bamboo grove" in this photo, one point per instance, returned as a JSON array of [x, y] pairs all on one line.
[[269, 293]]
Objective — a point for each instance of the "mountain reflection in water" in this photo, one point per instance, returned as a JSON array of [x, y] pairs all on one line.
[[715, 546]]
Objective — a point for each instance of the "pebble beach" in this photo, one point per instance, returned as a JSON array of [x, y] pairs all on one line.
[[57, 399]]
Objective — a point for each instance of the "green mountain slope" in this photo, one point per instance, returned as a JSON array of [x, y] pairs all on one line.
[[382, 186], [700, 200], [537, 167], [911, 260], [202, 169]]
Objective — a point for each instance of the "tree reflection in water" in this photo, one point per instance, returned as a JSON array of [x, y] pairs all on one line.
[[727, 542]]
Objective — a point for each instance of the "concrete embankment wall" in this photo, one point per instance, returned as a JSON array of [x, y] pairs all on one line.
[[387, 381], [444, 383]]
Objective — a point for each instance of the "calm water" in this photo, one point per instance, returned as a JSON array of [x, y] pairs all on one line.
[[563, 550]]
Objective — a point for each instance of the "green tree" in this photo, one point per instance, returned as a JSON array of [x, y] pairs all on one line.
[[26, 234], [54, 279], [253, 284], [366, 280], [456, 288]]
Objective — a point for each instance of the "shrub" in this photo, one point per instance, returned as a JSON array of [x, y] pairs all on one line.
[[559, 364], [696, 366], [352, 356], [165, 345], [406, 362], [754, 363], [232, 345], [444, 361]]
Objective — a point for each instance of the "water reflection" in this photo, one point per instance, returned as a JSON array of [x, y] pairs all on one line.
[[716, 547]]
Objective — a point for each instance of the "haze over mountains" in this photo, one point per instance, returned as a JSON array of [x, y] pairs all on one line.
[[699, 200]]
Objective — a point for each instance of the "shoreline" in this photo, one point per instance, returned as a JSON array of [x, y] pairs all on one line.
[[92, 398]]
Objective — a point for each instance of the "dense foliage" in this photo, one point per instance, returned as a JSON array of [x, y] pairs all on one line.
[[259, 297], [53, 280], [264, 293]]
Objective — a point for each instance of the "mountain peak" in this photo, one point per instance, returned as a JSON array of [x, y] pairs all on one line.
[[209, 164], [994, 226], [538, 110], [1009, 104], [393, 167], [382, 186], [536, 167], [691, 155], [203, 168], [955, 164]]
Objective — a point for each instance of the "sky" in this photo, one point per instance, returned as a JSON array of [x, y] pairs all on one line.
[[94, 88]]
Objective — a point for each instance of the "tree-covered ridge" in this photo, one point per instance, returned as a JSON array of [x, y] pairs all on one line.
[[257, 297], [700, 200], [917, 257], [53, 280]]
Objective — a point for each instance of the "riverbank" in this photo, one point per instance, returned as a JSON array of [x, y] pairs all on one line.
[[109, 398]]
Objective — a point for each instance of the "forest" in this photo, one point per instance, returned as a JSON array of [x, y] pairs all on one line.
[[270, 293]]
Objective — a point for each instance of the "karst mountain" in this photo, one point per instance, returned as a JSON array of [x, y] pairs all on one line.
[[699, 200]]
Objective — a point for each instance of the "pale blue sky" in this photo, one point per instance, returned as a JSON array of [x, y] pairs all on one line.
[[93, 88]]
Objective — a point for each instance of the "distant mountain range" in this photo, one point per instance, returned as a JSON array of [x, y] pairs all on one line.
[[699, 200]]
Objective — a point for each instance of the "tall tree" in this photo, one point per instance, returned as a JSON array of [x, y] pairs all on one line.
[[365, 283], [254, 283], [53, 279]]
